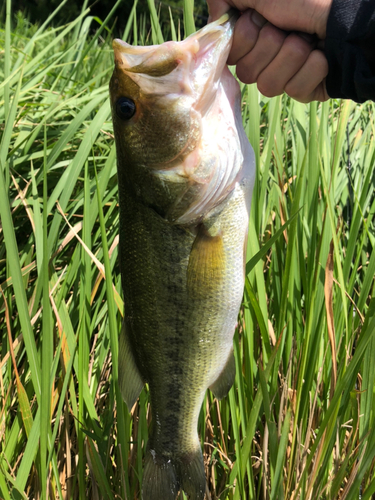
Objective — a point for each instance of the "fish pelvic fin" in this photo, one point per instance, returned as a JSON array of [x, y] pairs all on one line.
[[164, 476], [130, 379], [225, 380]]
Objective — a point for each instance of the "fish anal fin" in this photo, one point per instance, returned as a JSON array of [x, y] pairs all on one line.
[[130, 379], [206, 263], [224, 382]]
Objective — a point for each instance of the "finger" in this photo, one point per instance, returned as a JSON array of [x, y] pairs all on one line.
[[295, 15], [246, 34], [289, 60], [268, 45], [309, 82], [319, 93]]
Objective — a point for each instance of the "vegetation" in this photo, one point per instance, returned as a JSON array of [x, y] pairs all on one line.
[[298, 424], [39, 10]]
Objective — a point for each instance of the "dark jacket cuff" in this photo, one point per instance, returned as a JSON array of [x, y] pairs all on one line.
[[350, 50]]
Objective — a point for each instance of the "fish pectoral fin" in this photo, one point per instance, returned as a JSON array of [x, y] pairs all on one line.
[[130, 379], [206, 263], [225, 380]]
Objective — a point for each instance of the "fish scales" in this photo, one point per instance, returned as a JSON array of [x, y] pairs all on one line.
[[185, 175]]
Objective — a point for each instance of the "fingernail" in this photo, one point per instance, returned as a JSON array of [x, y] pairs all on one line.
[[257, 19]]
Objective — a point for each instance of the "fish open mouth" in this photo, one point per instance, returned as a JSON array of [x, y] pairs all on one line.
[[199, 60]]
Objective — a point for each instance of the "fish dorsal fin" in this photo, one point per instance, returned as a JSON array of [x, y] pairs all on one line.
[[206, 263], [225, 380], [130, 379]]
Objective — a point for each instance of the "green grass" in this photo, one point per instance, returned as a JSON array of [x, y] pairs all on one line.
[[299, 422]]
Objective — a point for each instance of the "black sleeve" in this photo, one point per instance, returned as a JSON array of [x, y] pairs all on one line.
[[350, 50]]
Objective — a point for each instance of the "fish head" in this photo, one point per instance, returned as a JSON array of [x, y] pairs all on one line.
[[159, 94]]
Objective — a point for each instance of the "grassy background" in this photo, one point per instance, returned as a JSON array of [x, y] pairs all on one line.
[[38, 11], [298, 424]]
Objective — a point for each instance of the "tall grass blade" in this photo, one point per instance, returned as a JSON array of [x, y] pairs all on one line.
[[7, 56], [4, 488], [47, 344], [156, 30], [20, 296], [76, 166], [113, 334], [189, 24]]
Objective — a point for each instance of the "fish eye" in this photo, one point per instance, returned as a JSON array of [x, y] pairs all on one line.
[[125, 108]]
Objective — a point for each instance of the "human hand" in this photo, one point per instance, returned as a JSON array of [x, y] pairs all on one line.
[[308, 16], [276, 60]]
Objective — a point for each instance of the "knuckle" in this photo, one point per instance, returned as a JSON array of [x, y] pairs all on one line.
[[297, 94], [320, 62], [244, 27], [267, 87], [244, 73], [297, 91], [272, 35], [297, 46]]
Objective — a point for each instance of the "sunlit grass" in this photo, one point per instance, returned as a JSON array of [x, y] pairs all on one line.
[[299, 422]]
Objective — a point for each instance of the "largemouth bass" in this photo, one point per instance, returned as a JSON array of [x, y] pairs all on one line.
[[185, 175]]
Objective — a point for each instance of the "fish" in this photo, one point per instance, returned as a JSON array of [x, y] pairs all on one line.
[[185, 173]]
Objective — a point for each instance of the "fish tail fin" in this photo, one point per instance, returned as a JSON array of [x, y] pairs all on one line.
[[159, 478], [163, 477], [191, 474]]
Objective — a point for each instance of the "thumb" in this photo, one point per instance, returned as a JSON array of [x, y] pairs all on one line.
[[216, 8]]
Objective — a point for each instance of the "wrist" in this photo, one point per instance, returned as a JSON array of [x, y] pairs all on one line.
[[323, 8]]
